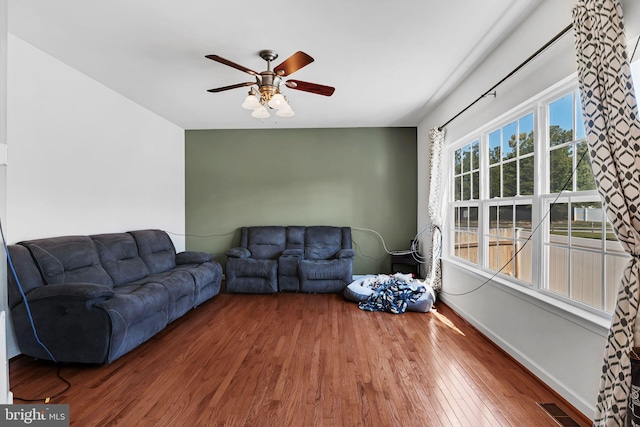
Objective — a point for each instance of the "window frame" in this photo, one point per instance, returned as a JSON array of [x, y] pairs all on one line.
[[539, 200]]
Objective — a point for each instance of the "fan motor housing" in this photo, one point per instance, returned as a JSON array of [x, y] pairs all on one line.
[[268, 55], [269, 84]]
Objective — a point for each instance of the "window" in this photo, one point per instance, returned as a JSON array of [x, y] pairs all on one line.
[[583, 257], [511, 151], [467, 172], [532, 168], [567, 145], [585, 260], [511, 155], [508, 232], [466, 189], [466, 233]]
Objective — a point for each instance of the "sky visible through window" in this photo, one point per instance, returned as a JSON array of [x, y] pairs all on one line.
[[562, 112]]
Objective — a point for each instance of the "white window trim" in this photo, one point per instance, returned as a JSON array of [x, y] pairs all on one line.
[[572, 310]]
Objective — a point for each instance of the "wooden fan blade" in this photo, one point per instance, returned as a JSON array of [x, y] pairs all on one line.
[[293, 63], [220, 89], [311, 87], [231, 64]]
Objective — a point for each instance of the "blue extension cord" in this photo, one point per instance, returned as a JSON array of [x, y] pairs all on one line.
[[24, 297]]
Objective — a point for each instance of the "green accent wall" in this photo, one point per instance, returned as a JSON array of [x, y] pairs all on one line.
[[357, 177]]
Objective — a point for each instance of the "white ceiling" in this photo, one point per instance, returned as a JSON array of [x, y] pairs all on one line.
[[390, 62]]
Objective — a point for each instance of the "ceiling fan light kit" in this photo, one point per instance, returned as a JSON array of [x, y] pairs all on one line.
[[285, 112], [251, 102], [260, 113], [268, 92]]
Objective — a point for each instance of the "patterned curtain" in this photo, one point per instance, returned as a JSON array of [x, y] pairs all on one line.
[[613, 132], [434, 276]]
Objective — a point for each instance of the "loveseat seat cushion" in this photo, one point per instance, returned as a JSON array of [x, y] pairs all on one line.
[[249, 275], [156, 249], [68, 259], [119, 256], [325, 276]]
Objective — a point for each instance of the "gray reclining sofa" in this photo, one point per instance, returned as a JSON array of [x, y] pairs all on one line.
[[296, 258], [94, 298]]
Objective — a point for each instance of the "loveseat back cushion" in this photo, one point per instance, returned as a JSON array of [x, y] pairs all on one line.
[[265, 242], [119, 256], [68, 259], [295, 237], [324, 242], [156, 249]]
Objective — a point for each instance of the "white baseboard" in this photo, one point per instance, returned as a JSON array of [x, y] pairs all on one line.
[[582, 405]]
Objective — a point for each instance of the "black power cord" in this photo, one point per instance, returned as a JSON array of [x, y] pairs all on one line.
[[35, 333], [49, 398]]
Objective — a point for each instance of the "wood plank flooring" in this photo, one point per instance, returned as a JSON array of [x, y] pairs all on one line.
[[299, 360]]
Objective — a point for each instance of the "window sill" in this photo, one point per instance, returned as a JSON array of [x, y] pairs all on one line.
[[595, 322]]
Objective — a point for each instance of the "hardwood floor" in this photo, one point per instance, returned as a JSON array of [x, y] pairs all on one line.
[[299, 360]]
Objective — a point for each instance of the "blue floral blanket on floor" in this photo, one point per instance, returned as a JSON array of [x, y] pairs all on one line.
[[393, 295]]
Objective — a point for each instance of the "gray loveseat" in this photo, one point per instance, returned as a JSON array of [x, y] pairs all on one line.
[[294, 258], [94, 298]]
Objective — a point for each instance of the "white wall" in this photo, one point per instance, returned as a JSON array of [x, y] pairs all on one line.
[[5, 395], [559, 347], [82, 158]]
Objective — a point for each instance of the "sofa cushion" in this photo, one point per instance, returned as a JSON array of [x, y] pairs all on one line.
[[137, 313], [68, 259], [322, 242], [119, 257], [266, 242], [135, 302], [207, 278], [180, 286], [325, 275], [156, 249]]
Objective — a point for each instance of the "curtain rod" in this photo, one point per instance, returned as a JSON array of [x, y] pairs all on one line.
[[515, 70]]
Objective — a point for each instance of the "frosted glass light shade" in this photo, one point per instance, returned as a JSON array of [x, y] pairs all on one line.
[[260, 113], [285, 112], [251, 102], [277, 101]]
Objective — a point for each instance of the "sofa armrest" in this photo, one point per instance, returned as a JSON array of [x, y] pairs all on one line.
[[193, 257], [69, 323], [345, 253], [85, 291], [239, 253]]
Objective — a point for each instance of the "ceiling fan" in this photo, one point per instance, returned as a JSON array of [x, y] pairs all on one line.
[[270, 81]]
